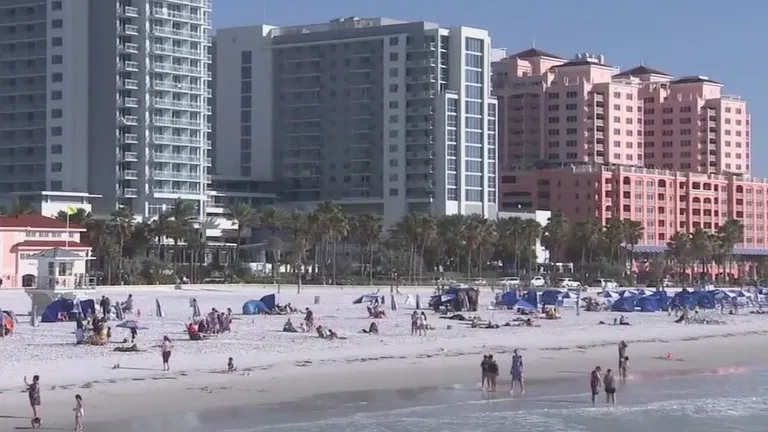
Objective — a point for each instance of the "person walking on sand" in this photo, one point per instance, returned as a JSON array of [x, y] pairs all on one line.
[[610, 388], [493, 372], [33, 390], [165, 349], [79, 413], [517, 373], [595, 381], [414, 323]]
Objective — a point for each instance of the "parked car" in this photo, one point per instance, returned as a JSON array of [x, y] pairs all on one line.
[[568, 283], [538, 282], [510, 282], [606, 284], [479, 282]]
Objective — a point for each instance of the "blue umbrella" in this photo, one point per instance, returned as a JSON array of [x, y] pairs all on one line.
[[131, 325]]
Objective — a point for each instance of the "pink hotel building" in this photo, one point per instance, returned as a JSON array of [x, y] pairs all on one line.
[[585, 139]]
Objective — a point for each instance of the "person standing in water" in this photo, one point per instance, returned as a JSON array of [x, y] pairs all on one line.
[[484, 372], [610, 388], [622, 351], [79, 413], [517, 373], [595, 380], [493, 372], [165, 349], [33, 390], [623, 368]]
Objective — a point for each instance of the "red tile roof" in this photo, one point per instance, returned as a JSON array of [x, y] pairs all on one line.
[[49, 244], [35, 222]]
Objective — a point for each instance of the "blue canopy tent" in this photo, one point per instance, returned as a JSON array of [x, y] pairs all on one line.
[[368, 298], [551, 298], [437, 301], [684, 298], [625, 293], [532, 297], [254, 307], [662, 299], [608, 294], [508, 299], [642, 293], [269, 301], [647, 304], [624, 304], [567, 295], [738, 293], [706, 299], [64, 306], [522, 304]]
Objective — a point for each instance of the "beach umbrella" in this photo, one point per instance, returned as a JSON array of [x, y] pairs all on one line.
[[159, 309], [131, 325], [195, 308], [418, 302], [119, 312]]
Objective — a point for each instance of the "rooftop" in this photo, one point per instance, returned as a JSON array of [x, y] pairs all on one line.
[[642, 70], [533, 53], [58, 253], [694, 80], [35, 222], [45, 244]]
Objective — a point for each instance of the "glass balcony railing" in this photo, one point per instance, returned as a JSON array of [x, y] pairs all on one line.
[[166, 103], [175, 175], [130, 138], [170, 50], [169, 121], [130, 175], [172, 86], [172, 139], [169, 32], [175, 157], [130, 193], [171, 68]]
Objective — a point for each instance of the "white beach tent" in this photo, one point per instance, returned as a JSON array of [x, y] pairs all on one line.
[[159, 309]]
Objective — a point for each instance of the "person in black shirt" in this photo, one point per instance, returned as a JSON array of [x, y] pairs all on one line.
[[493, 372], [484, 372]]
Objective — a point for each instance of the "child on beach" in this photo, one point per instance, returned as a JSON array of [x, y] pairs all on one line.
[[623, 366], [33, 390], [79, 413], [231, 365], [165, 349]]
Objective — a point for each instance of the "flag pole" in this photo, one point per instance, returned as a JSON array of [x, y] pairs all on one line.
[[66, 241]]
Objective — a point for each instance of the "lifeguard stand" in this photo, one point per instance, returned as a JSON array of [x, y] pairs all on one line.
[[59, 273]]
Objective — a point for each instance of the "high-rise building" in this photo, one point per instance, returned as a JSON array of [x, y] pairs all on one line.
[[584, 139], [112, 100], [374, 114]]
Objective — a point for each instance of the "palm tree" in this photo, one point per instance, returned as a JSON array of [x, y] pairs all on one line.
[[614, 238], [632, 231], [367, 229], [730, 234], [121, 221], [244, 217], [679, 249], [556, 233], [298, 225], [22, 208], [79, 218], [530, 231]]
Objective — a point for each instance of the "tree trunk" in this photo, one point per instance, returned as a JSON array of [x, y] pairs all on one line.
[[333, 262], [370, 267]]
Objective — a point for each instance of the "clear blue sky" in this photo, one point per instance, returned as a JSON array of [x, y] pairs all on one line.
[[721, 39]]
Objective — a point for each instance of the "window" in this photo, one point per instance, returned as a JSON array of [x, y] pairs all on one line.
[[393, 148], [393, 163], [56, 113], [56, 131], [57, 59], [393, 104], [57, 41], [56, 167], [393, 72], [394, 56], [56, 5], [246, 57], [245, 87], [57, 77], [245, 130], [56, 149], [393, 88], [394, 41], [245, 171], [245, 116], [245, 143], [393, 192], [245, 102], [394, 118], [474, 76], [473, 195], [57, 23], [56, 185], [245, 72]]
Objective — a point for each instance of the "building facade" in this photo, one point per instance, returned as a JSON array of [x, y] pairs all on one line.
[[22, 237], [106, 97], [374, 114]]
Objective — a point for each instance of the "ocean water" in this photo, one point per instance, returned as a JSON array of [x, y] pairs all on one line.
[[727, 400]]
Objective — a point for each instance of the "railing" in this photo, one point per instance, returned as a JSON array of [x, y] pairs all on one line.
[[130, 120], [165, 49], [130, 84], [167, 103], [129, 11], [130, 66], [164, 31], [172, 175], [171, 68], [203, 3], [174, 157], [171, 139], [130, 156], [130, 102], [130, 29], [130, 47], [168, 85], [179, 191], [130, 175], [130, 193], [167, 121], [162, 13], [130, 138]]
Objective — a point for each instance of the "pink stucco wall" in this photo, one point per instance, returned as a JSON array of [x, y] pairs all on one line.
[[13, 259]]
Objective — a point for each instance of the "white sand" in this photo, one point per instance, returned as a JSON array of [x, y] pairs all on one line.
[[275, 366]]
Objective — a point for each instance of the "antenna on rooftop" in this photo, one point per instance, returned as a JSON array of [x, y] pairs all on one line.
[[533, 45], [642, 62]]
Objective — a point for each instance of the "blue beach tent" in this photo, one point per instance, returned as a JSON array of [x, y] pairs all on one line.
[[254, 307], [81, 309], [508, 299], [522, 304], [624, 304], [532, 297], [268, 301], [647, 304], [368, 298], [551, 298]]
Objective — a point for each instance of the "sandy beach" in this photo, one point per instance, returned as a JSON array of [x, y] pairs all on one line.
[[278, 367]]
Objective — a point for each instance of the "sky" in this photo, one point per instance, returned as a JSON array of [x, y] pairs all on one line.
[[721, 39]]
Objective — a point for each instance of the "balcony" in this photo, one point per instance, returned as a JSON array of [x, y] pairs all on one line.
[[130, 157], [130, 84], [130, 120], [129, 48], [170, 50], [175, 157], [128, 11], [175, 175], [208, 161], [171, 68], [169, 32], [130, 193], [177, 191], [129, 102], [128, 66], [202, 3], [129, 175], [171, 86], [422, 94], [167, 103], [421, 78], [424, 62], [172, 139], [168, 121], [130, 139], [130, 30], [180, 16]]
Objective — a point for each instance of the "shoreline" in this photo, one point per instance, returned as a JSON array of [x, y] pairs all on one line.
[[172, 395]]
